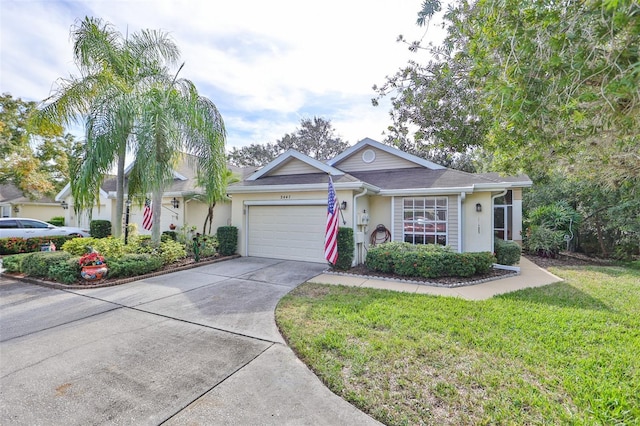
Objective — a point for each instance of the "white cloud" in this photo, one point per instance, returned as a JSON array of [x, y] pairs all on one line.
[[266, 64]]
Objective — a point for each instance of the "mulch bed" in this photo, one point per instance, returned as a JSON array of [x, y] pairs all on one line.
[[181, 265], [567, 259]]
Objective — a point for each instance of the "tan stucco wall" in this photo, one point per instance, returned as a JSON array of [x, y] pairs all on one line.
[[40, 212], [196, 213]]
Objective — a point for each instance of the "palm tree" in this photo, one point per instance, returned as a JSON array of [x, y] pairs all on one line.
[[113, 69], [174, 118]]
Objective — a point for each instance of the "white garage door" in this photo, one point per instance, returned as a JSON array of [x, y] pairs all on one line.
[[287, 232]]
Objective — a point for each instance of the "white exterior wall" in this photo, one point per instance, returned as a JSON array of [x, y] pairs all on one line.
[[478, 226], [517, 216]]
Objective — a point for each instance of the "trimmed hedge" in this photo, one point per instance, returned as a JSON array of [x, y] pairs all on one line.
[[227, 240], [345, 248], [429, 261], [100, 228], [131, 265], [507, 252], [57, 221]]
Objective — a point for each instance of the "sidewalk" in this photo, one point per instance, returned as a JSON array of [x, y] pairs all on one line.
[[531, 275]]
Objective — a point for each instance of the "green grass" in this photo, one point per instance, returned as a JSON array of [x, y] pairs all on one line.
[[567, 353]]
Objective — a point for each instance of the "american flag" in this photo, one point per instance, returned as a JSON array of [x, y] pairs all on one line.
[[147, 215], [331, 235]]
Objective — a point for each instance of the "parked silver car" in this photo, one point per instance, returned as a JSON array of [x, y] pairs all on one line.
[[18, 227]]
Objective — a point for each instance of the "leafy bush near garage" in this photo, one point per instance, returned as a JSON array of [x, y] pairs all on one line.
[[173, 235], [131, 265], [169, 251], [507, 252], [227, 240], [100, 228], [429, 261], [345, 248]]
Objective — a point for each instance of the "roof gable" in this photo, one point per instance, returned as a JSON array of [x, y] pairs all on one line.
[[373, 155], [294, 162]]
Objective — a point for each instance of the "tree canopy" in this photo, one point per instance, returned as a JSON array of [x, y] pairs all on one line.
[[35, 162], [315, 137], [541, 85], [131, 101]]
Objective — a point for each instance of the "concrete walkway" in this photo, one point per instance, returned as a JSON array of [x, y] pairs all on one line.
[[531, 275]]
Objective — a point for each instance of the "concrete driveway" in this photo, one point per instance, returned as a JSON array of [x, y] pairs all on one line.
[[192, 347]]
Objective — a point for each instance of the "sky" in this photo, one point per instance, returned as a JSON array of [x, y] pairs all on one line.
[[266, 64]]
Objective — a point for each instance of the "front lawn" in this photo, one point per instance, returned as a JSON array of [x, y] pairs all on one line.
[[567, 353]]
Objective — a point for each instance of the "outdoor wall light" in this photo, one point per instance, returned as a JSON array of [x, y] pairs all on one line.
[[16, 209], [478, 207], [175, 203], [343, 205], [64, 205]]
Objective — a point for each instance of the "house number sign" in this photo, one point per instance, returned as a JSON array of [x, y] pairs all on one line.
[[285, 197]]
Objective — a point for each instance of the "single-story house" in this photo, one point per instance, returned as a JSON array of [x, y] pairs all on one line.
[[13, 203], [180, 205], [385, 195]]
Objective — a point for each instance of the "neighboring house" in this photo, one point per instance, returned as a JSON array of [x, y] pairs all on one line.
[[179, 203], [281, 209], [13, 203]]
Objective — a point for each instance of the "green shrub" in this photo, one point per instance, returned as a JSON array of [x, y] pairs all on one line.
[[379, 258], [66, 271], [507, 252], [131, 265], [100, 228], [170, 251], [543, 241], [345, 249], [108, 247], [173, 235], [227, 240], [37, 264], [482, 261], [13, 263], [57, 221], [207, 245]]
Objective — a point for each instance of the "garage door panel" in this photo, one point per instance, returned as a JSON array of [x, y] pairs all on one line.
[[287, 232]]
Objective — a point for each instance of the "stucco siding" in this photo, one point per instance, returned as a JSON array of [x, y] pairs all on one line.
[[293, 167], [382, 161]]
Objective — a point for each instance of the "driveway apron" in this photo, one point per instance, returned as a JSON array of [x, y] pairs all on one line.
[[193, 347]]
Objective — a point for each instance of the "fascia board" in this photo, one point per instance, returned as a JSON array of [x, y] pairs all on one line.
[[64, 192], [297, 155], [424, 191], [503, 185], [300, 188]]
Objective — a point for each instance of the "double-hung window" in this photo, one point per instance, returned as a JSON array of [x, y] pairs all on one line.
[[425, 220]]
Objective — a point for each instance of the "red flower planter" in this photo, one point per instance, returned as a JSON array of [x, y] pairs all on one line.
[[94, 272]]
